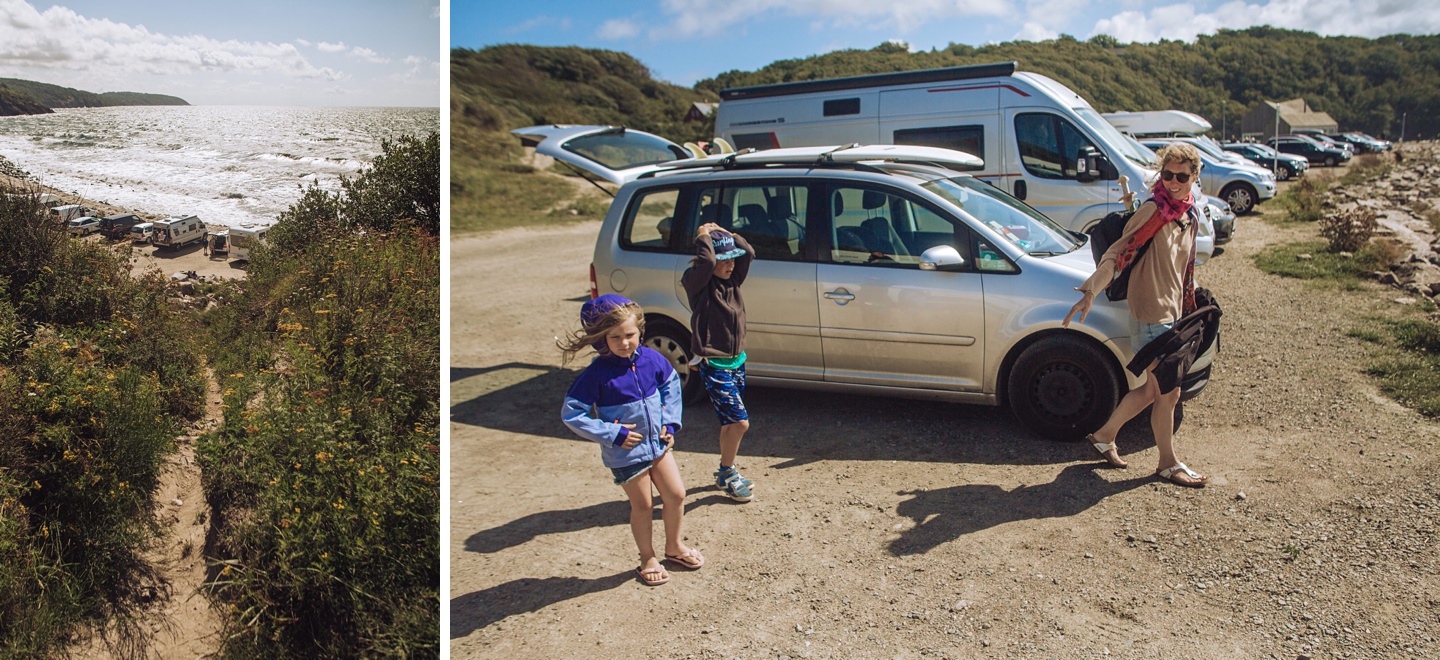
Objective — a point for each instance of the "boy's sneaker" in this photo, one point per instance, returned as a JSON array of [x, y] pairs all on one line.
[[733, 485]]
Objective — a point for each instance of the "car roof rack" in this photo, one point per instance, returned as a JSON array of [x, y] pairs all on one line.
[[852, 155]]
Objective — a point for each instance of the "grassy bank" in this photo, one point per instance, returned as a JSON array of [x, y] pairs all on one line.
[[99, 373], [324, 477]]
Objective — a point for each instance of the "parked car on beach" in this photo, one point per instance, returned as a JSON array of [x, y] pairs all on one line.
[[878, 270], [1364, 143], [68, 212], [83, 226], [1312, 150], [1284, 166], [118, 226], [141, 233]]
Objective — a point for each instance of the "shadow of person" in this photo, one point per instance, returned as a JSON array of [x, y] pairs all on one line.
[[947, 514], [480, 609], [605, 514]]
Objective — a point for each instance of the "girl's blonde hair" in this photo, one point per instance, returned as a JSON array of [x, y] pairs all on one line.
[[593, 334], [1178, 152]]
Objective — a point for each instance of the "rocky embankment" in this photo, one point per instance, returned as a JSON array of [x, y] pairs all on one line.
[[1406, 202]]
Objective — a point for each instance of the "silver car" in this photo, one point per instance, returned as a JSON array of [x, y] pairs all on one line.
[[879, 276]]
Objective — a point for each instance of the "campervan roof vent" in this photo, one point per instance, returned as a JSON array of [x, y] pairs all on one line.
[[874, 80]]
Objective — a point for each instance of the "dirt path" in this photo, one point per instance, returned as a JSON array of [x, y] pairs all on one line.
[[178, 623], [892, 528]]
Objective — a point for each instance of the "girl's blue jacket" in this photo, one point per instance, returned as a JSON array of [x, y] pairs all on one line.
[[643, 390]]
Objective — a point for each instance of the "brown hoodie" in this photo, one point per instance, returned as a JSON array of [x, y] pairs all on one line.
[[717, 311]]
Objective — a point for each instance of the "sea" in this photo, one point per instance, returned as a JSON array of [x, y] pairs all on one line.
[[229, 165]]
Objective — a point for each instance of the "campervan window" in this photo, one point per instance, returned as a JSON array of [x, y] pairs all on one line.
[[838, 107], [969, 139], [1013, 220], [1107, 133], [1048, 144], [619, 150]]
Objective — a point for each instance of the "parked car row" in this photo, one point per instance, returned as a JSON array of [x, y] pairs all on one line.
[[1283, 166], [1313, 150], [1239, 182]]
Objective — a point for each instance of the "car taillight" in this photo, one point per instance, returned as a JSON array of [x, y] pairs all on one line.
[[594, 288]]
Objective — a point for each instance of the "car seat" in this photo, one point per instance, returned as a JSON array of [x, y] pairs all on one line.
[[883, 237]]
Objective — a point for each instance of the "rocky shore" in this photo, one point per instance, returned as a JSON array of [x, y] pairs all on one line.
[[1406, 202]]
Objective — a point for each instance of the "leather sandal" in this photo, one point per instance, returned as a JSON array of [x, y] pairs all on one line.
[[1196, 480], [1105, 449]]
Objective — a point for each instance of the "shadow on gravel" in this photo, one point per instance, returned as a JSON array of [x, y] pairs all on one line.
[[606, 514], [799, 426], [480, 609], [962, 510]]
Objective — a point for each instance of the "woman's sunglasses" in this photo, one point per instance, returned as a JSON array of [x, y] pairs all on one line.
[[1182, 177]]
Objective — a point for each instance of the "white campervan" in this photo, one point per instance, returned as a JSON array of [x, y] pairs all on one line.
[[175, 233], [1039, 141], [244, 238]]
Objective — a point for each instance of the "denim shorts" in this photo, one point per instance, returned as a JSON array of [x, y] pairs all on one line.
[[1142, 333], [628, 473], [724, 387]]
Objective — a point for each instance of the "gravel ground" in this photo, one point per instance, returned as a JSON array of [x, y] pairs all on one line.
[[904, 529]]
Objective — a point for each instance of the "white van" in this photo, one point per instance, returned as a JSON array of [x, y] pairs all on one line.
[[244, 238], [1039, 141], [68, 212], [175, 233]]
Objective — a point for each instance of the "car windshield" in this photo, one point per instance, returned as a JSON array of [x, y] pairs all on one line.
[[1005, 215], [619, 149], [1123, 143]]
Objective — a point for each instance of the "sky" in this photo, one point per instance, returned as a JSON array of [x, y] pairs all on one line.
[[683, 41], [256, 52]]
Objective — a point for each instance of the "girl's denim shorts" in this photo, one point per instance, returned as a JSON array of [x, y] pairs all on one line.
[[1142, 333], [628, 473]]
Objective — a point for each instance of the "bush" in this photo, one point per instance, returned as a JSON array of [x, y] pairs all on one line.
[[1348, 230], [1304, 199]]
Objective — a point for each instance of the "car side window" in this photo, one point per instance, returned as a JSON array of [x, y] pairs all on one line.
[[770, 217], [651, 217], [1048, 145], [880, 228]]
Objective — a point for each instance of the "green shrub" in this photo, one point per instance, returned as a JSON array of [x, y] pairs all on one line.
[[1305, 200], [1349, 230]]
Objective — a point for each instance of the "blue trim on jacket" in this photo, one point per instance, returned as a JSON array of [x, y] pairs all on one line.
[[643, 390]]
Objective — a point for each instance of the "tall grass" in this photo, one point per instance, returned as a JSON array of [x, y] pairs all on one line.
[[324, 476], [98, 373]]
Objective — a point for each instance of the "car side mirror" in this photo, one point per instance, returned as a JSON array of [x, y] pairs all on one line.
[[1090, 164], [941, 257]]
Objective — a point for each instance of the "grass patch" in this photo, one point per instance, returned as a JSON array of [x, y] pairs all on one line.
[[1311, 260], [491, 189], [1365, 168], [1303, 202], [1428, 213], [1366, 335]]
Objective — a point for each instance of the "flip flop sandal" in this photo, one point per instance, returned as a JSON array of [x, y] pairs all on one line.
[[1169, 473], [641, 572], [691, 559], [1104, 450]]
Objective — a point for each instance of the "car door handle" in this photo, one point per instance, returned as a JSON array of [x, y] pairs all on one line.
[[840, 296]]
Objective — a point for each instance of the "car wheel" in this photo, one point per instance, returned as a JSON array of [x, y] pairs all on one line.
[[673, 343], [1063, 387], [1240, 197], [1284, 173], [1330, 161]]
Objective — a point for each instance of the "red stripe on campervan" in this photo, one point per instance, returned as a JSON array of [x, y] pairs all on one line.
[[967, 89]]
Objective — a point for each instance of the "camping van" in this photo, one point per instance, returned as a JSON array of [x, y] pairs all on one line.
[[175, 233], [1038, 140], [68, 212], [244, 238]]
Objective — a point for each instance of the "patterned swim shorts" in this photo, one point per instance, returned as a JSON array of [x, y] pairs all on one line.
[[724, 387]]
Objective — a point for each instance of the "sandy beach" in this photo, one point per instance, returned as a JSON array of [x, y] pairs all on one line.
[[143, 257]]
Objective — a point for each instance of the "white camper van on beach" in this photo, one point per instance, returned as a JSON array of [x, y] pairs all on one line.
[[1039, 141], [244, 238], [175, 233]]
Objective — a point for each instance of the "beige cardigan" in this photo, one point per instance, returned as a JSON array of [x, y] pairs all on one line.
[[1157, 282]]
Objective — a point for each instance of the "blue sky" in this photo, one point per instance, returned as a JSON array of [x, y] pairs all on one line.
[[683, 41], [257, 52]]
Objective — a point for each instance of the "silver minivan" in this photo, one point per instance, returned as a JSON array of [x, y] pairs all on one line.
[[880, 273]]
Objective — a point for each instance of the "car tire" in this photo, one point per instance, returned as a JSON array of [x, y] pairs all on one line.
[[672, 342], [1284, 173], [1330, 161], [1063, 387], [1240, 196]]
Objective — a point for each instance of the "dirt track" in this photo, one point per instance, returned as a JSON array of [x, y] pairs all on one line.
[[886, 528]]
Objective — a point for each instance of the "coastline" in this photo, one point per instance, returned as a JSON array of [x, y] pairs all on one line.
[[143, 257]]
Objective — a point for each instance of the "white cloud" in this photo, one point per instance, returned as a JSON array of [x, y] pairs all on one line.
[[561, 24], [1035, 32], [1360, 18], [617, 28], [1048, 19], [304, 42], [696, 17], [368, 55], [327, 47], [413, 59]]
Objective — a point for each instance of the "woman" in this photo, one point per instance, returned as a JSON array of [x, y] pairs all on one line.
[[1161, 290]]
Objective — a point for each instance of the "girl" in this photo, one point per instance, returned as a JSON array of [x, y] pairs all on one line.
[[1161, 290], [628, 400], [717, 340]]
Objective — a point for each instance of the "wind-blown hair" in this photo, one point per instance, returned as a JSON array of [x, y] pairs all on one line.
[[1178, 152], [593, 334]]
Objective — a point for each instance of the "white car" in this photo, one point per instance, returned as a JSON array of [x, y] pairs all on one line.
[[83, 226]]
